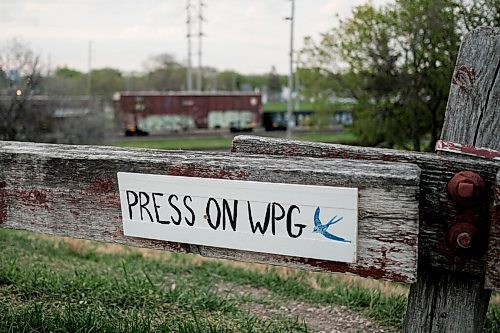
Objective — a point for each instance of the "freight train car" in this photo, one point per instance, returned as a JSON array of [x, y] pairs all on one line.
[[161, 112]]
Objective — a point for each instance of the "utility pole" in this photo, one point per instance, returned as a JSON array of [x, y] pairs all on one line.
[[297, 83], [189, 78], [200, 36], [89, 76], [289, 112]]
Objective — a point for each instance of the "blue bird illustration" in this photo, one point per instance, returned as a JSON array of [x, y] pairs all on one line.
[[322, 228]]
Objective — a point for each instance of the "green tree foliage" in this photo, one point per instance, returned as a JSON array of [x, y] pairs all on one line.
[[65, 82], [372, 76], [397, 61], [227, 81], [478, 13], [429, 38], [71, 82], [163, 72], [105, 82], [68, 73], [274, 86], [256, 81]]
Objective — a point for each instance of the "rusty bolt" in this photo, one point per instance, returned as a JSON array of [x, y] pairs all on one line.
[[464, 240], [466, 188], [461, 237]]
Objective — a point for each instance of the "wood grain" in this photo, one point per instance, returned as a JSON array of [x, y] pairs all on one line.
[[474, 100], [459, 302], [72, 191], [444, 302], [437, 211], [493, 255]]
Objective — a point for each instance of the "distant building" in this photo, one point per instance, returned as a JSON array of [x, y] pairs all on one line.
[[160, 112], [338, 111], [57, 119]]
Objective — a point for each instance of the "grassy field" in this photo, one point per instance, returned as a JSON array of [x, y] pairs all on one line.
[[208, 143], [188, 143], [50, 284]]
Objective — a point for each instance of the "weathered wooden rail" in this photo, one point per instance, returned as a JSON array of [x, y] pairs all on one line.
[[419, 219], [72, 191], [437, 210]]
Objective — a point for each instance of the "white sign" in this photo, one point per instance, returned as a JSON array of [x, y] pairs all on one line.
[[318, 222]]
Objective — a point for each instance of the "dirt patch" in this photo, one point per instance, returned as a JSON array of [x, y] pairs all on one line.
[[318, 318]]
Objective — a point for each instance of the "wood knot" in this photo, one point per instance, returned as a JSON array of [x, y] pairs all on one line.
[[464, 78]]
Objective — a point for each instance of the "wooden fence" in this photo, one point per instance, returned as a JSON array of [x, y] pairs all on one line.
[[420, 218]]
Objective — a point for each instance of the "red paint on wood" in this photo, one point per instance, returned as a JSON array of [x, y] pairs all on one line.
[[3, 202], [458, 148], [193, 171], [32, 198], [370, 272], [104, 189], [101, 186]]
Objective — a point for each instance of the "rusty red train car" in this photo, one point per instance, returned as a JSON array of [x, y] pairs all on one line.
[[157, 112]]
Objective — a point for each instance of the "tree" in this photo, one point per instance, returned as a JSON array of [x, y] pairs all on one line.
[[397, 61], [65, 82], [256, 81], [476, 13], [357, 60], [429, 37], [163, 72], [106, 81], [227, 81], [19, 79], [273, 86]]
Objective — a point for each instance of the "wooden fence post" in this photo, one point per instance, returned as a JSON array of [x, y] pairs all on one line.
[[445, 301]]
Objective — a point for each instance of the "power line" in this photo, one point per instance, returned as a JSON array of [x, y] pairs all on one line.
[[89, 76], [297, 83]]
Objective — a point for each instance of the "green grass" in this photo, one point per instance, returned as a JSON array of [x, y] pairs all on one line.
[[282, 107], [207, 143], [202, 143], [48, 286], [306, 106], [53, 285]]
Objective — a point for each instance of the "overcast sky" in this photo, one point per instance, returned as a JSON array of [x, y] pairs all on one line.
[[248, 36]]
